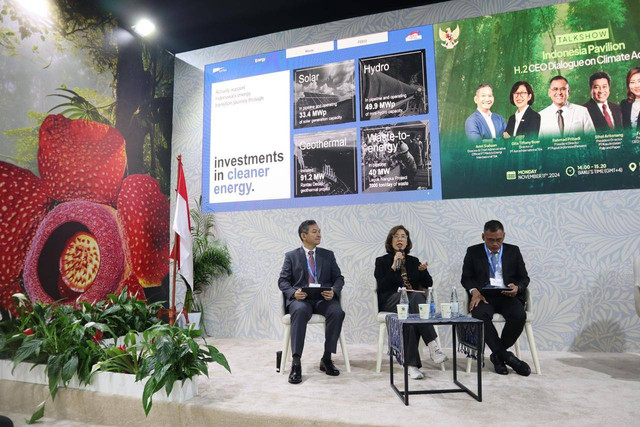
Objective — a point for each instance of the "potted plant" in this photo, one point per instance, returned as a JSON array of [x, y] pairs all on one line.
[[62, 346], [211, 259]]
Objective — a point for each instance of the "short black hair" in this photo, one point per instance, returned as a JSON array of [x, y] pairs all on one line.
[[515, 87], [558, 77], [597, 76], [493, 226], [480, 86], [304, 227]]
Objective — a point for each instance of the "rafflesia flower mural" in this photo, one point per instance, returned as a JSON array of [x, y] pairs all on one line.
[[80, 231]]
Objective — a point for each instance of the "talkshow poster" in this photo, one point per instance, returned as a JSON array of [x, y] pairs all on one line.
[[501, 81]]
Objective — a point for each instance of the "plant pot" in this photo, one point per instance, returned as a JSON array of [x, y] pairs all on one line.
[[102, 382]]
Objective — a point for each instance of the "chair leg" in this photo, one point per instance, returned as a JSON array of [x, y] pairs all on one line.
[[468, 370], [516, 346], [285, 348], [381, 333], [345, 353], [532, 347]]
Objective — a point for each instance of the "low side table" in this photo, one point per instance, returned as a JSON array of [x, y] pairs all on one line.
[[473, 342]]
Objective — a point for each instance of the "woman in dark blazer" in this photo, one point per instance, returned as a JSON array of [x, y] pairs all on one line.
[[413, 275], [632, 102], [528, 125]]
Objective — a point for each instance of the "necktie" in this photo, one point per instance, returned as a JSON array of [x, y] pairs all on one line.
[[312, 267], [494, 263], [560, 122], [607, 117]]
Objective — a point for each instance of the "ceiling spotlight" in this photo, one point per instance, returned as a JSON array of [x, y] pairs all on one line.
[[144, 27], [38, 7]]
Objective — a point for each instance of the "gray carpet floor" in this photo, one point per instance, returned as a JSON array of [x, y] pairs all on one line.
[[575, 389]]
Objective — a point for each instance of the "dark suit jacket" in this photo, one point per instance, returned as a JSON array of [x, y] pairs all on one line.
[[476, 271], [476, 126], [294, 274], [625, 108], [388, 281], [598, 117], [529, 124]]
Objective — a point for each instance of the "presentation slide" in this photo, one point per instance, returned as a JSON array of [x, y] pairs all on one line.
[[343, 122], [249, 118], [502, 66]]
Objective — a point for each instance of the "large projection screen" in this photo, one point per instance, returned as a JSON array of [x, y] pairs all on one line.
[[396, 116]]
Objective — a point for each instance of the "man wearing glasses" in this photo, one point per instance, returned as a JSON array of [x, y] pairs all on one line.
[[307, 267], [563, 118]]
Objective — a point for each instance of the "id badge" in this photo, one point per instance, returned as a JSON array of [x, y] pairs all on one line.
[[314, 285], [497, 282]]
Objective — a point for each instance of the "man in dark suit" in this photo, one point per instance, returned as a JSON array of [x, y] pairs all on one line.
[[483, 124], [304, 267], [605, 115], [488, 267]]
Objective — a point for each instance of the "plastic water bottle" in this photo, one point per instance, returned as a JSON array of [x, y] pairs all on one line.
[[432, 304], [404, 300], [455, 308]]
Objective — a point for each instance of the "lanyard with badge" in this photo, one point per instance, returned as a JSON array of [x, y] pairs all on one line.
[[496, 268], [312, 271]]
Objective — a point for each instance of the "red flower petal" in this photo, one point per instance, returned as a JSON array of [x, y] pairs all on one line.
[[23, 205], [81, 159], [143, 212]]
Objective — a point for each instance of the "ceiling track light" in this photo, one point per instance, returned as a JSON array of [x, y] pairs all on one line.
[[144, 27]]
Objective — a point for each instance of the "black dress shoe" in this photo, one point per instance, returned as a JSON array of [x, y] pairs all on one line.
[[498, 364], [295, 377], [328, 367], [518, 365]]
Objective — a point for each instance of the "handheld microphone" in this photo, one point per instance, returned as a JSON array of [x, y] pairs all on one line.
[[399, 262]]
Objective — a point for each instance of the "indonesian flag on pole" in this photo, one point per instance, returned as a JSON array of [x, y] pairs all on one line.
[[182, 251]]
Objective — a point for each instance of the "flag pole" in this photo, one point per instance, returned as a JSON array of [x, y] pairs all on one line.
[[181, 193], [172, 310], [176, 260]]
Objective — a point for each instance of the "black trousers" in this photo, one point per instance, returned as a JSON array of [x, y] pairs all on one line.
[[301, 312], [514, 315], [412, 333]]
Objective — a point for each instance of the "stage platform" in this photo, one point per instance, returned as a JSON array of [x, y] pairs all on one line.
[[575, 389]]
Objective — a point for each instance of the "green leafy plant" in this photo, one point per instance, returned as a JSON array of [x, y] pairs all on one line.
[[69, 341], [59, 337], [211, 257], [171, 354], [123, 313], [125, 358]]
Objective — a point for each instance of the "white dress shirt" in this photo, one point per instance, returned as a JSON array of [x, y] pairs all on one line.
[[600, 104], [487, 118]]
